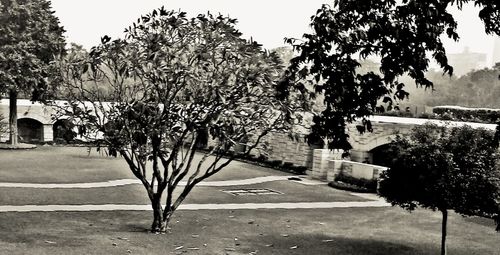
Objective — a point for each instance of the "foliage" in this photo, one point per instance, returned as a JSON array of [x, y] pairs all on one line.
[[30, 37], [403, 114], [275, 163], [171, 80], [402, 34], [348, 182], [469, 114], [445, 169], [64, 131]]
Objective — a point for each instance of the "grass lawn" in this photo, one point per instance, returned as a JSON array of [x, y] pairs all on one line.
[[299, 231], [136, 194], [48, 164], [323, 231]]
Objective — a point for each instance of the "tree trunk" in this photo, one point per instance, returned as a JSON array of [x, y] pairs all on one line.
[[443, 231], [158, 221], [13, 117]]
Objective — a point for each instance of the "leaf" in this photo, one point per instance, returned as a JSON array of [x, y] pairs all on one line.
[[105, 39]]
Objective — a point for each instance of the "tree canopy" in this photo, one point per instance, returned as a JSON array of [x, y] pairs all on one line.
[[30, 39], [443, 169], [404, 35], [170, 83]]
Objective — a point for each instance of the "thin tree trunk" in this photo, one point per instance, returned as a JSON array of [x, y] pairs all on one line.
[[443, 231], [158, 221], [13, 117], [167, 215]]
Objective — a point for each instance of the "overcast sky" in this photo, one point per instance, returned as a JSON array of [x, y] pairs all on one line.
[[267, 21]]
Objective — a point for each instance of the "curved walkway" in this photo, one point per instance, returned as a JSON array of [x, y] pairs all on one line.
[[122, 182], [247, 206]]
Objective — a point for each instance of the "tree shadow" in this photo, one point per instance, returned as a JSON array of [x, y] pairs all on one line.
[[323, 244]]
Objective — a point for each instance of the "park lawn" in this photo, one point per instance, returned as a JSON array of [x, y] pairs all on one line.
[[136, 194], [356, 231], [53, 164]]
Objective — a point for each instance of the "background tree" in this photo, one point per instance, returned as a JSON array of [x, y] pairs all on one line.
[[171, 80], [404, 35], [30, 37], [3, 126], [445, 169]]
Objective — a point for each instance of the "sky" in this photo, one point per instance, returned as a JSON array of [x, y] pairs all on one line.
[[266, 21]]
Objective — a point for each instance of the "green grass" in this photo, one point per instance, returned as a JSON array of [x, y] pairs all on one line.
[[48, 164], [322, 231], [136, 194], [356, 231]]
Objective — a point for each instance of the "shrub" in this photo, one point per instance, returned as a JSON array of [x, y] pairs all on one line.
[[262, 158], [467, 114], [398, 114], [300, 169], [288, 165], [370, 185], [275, 163]]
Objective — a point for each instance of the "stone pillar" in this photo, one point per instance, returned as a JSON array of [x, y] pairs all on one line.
[[320, 164], [48, 133], [334, 168]]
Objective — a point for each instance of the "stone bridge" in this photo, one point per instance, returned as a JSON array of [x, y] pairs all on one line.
[[385, 129]]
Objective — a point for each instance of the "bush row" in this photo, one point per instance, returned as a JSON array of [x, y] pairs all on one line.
[[465, 114], [265, 161], [349, 183]]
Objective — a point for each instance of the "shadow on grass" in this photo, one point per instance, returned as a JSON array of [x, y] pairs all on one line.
[[322, 244]]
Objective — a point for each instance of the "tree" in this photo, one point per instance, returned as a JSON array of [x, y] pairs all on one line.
[[3, 126], [404, 35], [30, 37], [172, 80], [444, 169]]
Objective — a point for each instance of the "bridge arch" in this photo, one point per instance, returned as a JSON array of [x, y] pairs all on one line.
[[375, 142]]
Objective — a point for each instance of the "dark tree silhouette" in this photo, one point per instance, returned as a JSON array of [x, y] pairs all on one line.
[[402, 34], [30, 38]]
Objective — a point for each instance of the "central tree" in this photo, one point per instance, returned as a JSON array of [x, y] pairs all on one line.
[[154, 96]]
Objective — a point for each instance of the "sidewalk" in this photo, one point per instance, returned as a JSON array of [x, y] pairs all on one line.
[[246, 206]]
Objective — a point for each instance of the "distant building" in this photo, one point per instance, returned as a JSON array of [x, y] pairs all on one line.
[[496, 51], [466, 61]]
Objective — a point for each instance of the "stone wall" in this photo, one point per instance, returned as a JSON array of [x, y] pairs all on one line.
[[327, 164], [296, 151], [279, 146]]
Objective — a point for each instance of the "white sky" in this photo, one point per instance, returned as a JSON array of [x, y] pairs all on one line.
[[267, 21]]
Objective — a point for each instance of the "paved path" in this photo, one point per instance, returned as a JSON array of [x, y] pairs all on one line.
[[122, 182], [121, 207], [375, 201]]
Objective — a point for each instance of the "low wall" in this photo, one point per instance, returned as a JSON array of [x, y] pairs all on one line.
[[328, 163], [353, 169]]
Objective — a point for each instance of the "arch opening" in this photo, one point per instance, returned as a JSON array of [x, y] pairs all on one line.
[[63, 130], [381, 155], [29, 130]]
